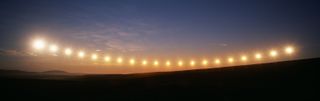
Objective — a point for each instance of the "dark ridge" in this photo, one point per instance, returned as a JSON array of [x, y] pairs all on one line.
[[55, 72], [12, 71]]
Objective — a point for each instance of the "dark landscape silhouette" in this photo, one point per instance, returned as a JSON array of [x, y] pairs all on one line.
[[290, 80]]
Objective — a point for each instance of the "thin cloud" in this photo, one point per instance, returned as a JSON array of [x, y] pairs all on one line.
[[123, 39], [4, 52]]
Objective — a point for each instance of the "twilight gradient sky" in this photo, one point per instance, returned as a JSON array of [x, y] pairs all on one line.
[[155, 28]]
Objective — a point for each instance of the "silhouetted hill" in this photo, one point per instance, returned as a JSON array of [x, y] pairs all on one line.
[[291, 80], [55, 72]]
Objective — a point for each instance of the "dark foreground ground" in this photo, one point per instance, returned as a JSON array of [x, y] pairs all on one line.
[[292, 80]]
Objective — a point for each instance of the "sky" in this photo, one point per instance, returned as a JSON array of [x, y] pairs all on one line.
[[153, 29]]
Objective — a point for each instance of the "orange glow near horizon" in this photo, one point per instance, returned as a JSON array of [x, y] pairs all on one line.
[[42, 46]]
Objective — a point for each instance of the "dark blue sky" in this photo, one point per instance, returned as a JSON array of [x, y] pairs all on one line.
[[162, 28]]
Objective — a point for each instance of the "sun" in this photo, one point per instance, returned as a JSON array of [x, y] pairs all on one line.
[[53, 48], [289, 50], [39, 44]]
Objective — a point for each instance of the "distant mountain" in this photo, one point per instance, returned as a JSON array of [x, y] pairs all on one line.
[[55, 72], [52, 74], [14, 72]]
